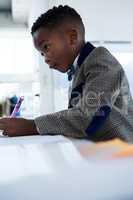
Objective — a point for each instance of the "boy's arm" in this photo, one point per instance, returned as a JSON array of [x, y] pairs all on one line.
[[102, 87]]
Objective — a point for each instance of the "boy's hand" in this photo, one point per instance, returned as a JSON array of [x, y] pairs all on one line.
[[18, 127]]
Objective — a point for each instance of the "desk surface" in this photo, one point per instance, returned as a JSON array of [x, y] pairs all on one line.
[[51, 168]]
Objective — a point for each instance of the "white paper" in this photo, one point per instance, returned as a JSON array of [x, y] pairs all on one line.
[[4, 140]]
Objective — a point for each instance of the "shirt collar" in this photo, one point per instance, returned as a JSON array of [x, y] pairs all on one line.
[[72, 69], [75, 62]]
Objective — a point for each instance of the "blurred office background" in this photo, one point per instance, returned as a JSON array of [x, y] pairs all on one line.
[[23, 71]]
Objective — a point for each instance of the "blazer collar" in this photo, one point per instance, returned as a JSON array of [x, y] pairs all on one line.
[[86, 50]]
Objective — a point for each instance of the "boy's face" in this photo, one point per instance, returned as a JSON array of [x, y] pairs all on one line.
[[57, 47]]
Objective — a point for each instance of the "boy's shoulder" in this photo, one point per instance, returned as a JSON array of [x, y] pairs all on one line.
[[101, 59], [100, 53]]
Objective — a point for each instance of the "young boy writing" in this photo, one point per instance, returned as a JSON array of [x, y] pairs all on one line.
[[100, 104]]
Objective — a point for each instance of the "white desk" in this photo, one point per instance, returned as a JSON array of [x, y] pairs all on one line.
[[50, 167]]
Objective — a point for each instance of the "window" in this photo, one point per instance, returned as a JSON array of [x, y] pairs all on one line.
[[126, 60], [18, 74]]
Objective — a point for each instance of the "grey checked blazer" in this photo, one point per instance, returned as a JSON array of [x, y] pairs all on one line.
[[100, 105]]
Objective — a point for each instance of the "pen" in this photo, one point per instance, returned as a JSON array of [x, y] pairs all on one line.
[[17, 107]]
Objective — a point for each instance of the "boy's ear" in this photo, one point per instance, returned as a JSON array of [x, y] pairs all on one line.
[[73, 36]]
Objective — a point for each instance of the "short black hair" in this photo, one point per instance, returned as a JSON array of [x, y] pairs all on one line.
[[57, 16]]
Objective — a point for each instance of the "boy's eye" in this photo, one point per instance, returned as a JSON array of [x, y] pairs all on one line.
[[46, 47]]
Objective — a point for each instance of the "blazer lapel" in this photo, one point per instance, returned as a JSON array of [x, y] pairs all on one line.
[[77, 91]]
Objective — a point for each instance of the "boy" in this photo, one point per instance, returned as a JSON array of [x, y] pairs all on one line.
[[100, 104]]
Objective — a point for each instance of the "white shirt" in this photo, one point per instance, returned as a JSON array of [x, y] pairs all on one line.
[[70, 82]]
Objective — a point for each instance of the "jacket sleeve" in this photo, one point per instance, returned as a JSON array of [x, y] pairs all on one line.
[[102, 86]]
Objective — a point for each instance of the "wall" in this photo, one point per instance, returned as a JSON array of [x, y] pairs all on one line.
[[104, 19]]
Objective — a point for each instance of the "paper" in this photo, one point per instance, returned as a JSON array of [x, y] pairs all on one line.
[[46, 139]]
